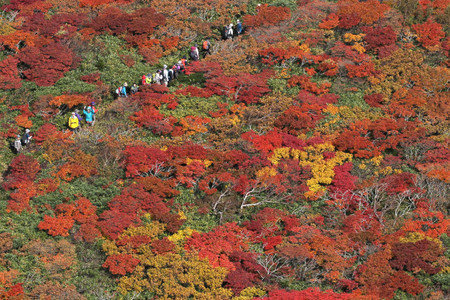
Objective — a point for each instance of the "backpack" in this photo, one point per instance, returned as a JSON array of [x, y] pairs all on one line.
[[94, 109], [120, 89], [205, 45], [117, 91], [194, 55]]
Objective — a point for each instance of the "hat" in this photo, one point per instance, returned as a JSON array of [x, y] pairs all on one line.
[[231, 25], [165, 66], [88, 108], [92, 103], [18, 136], [238, 21], [27, 130], [73, 113], [125, 84]]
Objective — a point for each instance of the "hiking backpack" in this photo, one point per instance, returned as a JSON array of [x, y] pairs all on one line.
[[194, 55]]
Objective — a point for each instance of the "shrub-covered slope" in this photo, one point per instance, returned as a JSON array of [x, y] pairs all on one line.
[[305, 158]]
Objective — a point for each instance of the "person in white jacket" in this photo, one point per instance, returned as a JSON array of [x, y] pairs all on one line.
[[230, 32], [165, 75]]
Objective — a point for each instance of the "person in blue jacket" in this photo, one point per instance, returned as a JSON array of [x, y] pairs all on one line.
[[238, 27], [89, 114]]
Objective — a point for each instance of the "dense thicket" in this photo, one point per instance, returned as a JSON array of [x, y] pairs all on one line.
[[306, 158]]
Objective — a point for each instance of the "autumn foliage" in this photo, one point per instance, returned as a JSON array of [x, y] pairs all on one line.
[[305, 158]]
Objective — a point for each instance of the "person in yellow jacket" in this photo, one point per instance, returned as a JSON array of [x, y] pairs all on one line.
[[74, 123]]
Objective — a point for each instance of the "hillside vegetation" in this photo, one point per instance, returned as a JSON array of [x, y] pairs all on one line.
[[305, 158]]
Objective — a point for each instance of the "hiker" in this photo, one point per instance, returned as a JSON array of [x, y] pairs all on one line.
[[165, 75], [26, 138], [225, 32], [144, 79], [134, 89], [238, 27], [171, 74], [17, 144], [148, 79], [121, 91], [206, 48], [74, 124], [89, 115], [159, 77], [229, 31], [155, 77], [124, 89], [175, 70], [194, 53], [94, 110], [183, 63], [78, 116]]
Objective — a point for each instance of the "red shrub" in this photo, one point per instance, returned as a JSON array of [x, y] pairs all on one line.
[[57, 225], [419, 255], [141, 160], [374, 100], [9, 74], [23, 168], [44, 132], [121, 263], [267, 15], [47, 64]]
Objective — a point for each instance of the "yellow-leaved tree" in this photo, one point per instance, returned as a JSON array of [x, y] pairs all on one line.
[[152, 263]]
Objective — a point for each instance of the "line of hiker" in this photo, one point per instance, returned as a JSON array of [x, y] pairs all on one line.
[[74, 124], [229, 32], [75, 119], [166, 75], [163, 76]]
